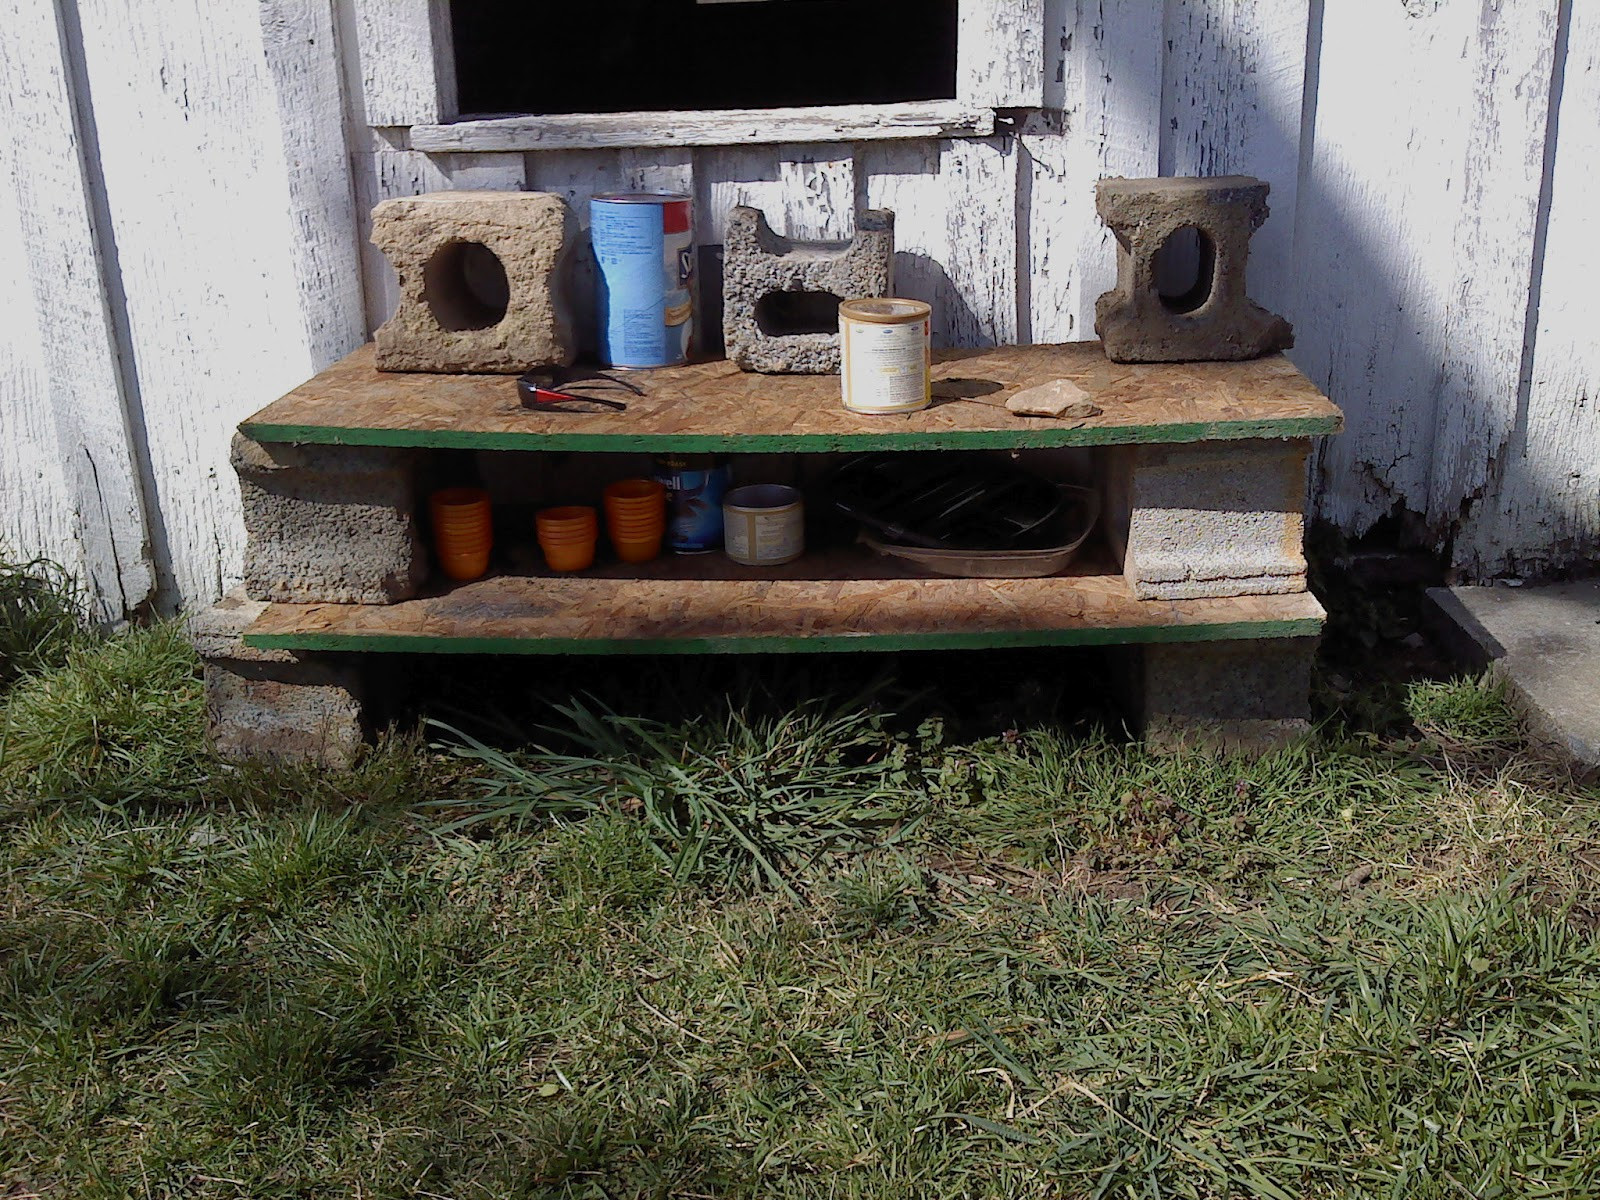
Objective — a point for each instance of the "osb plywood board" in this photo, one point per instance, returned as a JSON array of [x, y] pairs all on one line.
[[715, 406], [586, 614]]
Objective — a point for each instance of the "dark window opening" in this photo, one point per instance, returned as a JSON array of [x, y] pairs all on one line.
[[784, 314], [652, 55]]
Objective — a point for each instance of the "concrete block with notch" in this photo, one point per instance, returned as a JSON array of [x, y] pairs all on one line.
[[329, 524], [1209, 519], [277, 706], [780, 296], [1248, 696], [481, 281], [1216, 320]]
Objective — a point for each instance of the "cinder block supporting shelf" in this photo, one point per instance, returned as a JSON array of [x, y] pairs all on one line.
[[1200, 583]]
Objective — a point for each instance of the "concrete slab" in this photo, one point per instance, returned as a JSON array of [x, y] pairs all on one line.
[[1545, 642]]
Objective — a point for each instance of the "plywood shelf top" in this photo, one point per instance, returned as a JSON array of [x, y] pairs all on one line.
[[713, 406], [662, 609]]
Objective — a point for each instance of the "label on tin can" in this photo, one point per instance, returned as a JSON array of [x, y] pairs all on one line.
[[695, 488], [644, 246], [764, 525], [883, 366]]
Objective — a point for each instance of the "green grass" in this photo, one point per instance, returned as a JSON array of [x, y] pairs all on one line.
[[1469, 714], [41, 617], [788, 949]]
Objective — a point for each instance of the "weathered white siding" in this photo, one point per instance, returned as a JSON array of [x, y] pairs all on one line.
[[37, 506], [1431, 236], [187, 238]]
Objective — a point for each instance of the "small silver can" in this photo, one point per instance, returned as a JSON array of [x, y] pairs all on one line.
[[764, 524]]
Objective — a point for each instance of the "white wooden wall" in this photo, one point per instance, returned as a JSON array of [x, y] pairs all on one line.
[[183, 236]]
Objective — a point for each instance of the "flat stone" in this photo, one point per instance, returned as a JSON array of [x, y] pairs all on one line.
[[1135, 322], [1058, 398], [218, 631], [1545, 643], [482, 281], [763, 272]]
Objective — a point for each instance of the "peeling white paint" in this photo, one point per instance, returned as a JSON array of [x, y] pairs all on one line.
[[1406, 155]]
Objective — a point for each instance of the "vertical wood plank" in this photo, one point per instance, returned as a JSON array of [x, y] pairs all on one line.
[[1417, 208], [64, 235], [1543, 514], [36, 508], [806, 191], [576, 176], [664, 170], [818, 189], [904, 177], [405, 59], [300, 46], [211, 241], [1000, 53], [1491, 251], [727, 177], [1107, 64], [1233, 81], [485, 172], [979, 178]]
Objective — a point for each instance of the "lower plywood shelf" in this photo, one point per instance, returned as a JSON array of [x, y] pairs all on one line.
[[611, 614]]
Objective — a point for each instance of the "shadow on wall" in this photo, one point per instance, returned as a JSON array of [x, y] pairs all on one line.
[[1415, 271]]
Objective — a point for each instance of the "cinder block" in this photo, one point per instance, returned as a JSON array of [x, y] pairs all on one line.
[[1210, 519], [1249, 696], [481, 281], [274, 705], [303, 712], [780, 297], [329, 524], [1218, 321]]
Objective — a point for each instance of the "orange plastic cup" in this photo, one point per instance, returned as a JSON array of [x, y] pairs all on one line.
[[637, 549], [572, 516], [577, 556], [636, 496], [567, 536], [630, 521], [636, 518], [463, 531]]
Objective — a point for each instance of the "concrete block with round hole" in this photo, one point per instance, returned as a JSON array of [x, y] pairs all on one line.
[[780, 296], [1215, 320], [481, 282]]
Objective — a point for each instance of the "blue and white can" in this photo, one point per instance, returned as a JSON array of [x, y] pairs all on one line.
[[696, 484], [644, 245]]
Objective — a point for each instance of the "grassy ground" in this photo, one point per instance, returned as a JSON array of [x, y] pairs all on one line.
[[788, 950]]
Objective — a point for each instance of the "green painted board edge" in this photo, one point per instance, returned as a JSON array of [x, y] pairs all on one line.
[[1033, 437], [388, 643]]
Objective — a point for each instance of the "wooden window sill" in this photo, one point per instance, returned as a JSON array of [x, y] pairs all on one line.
[[726, 127]]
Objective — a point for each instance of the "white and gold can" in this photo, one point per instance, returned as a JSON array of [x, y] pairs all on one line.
[[884, 355], [764, 524]]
